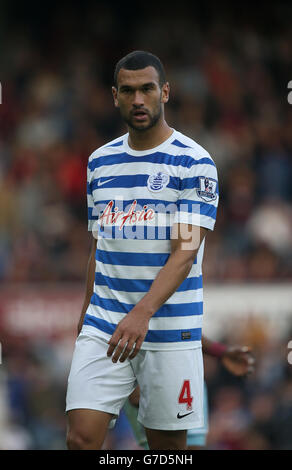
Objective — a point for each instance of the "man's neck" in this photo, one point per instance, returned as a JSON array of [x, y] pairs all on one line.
[[151, 138]]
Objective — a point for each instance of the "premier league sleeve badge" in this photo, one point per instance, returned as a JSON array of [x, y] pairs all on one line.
[[207, 190]]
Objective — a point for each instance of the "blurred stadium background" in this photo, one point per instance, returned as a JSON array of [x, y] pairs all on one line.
[[229, 72]]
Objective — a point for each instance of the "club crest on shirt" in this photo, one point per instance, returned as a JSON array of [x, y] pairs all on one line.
[[207, 189], [157, 182]]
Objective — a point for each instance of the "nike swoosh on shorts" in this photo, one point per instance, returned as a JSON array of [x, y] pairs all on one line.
[[182, 416]]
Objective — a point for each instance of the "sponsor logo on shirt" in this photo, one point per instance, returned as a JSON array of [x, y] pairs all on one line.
[[113, 216]]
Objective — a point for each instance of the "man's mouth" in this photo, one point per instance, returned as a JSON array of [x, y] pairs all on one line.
[[139, 115]]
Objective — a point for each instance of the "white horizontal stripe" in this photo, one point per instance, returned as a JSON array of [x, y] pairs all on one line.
[[107, 149], [159, 323], [134, 297], [176, 323], [107, 315], [138, 192], [134, 167], [134, 246], [202, 169], [137, 272], [194, 219], [128, 272], [187, 218]]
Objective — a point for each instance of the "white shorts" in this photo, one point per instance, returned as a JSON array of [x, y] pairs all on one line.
[[171, 383]]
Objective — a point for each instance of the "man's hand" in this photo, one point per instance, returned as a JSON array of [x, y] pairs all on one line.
[[238, 360], [128, 336]]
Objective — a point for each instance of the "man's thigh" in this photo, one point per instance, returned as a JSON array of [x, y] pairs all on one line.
[[87, 429], [171, 388], [95, 382]]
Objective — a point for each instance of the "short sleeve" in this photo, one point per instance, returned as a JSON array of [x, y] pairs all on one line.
[[199, 194]]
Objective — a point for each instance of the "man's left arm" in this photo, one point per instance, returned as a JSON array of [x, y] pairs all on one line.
[[131, 331], [238, 360]]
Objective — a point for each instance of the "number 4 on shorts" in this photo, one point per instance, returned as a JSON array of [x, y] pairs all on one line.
[[185, 395]]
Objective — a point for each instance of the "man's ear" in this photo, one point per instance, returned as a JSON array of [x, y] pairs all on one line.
[[165, 92], [115, 96]]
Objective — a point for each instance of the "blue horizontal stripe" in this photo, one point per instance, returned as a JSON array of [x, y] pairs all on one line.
[[143, 285], [173, 336], [134, 181], [167, 310], [194, 183], [156, 157], [180, 144], [153, 336], [131, 259], [129, 181]]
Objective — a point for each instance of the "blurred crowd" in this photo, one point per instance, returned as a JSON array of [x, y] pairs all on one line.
[[228, 92], [228, 76], [253, 412]]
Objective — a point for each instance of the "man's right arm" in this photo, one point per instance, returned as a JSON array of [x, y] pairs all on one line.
[[90, 276]]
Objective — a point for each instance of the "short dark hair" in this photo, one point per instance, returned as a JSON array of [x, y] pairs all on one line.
[[137, 60]]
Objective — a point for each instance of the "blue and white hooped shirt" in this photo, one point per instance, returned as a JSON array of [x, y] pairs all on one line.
[[134, 198]]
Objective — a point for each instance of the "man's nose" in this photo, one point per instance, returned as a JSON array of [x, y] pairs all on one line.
[[138, 99]]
